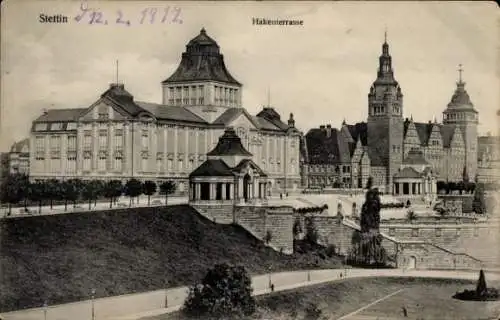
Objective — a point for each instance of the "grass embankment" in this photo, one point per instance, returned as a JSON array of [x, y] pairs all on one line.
[[423, 299], [60, 258]]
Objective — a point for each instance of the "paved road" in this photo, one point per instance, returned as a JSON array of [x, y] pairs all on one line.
[[82, 207], [151, 304]]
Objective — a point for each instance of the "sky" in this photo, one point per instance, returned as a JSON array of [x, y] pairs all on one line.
[[320, 71]]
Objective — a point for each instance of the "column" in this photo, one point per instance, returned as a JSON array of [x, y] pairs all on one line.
[[255, 188], [95, 142], [223, 196], [419, 188], [231, 191], [213, 187], [240, 188], [198, 191]]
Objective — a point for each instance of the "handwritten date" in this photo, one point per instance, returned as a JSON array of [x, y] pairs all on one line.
[[171, 15]]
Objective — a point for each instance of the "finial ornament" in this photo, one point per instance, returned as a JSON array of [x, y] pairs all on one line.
[[460, 70], [117, 71], [385, 34]]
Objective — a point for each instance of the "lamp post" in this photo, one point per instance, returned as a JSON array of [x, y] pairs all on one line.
[[270, 282], [45, 306], [92, 292]]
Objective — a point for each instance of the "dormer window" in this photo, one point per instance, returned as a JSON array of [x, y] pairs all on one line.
[[56, 126]]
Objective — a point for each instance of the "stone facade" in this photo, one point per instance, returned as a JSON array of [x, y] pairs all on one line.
[[118, 137], [19, 157], [379, 147]]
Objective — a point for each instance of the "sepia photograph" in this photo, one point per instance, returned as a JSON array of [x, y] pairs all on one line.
[[251, 160]]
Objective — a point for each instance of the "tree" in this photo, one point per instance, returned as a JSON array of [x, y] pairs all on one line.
[[225, 291], [133, 188], [297, 228], [481, 288], [149, 188], [479, 203], [12, 190], [69, 192], [166, 188], [112, 190], [37, 194], [369, 183], [90, 191], [311, 231], [53, 191]]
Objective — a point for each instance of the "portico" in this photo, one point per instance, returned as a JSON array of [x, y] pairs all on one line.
[[415, 177]]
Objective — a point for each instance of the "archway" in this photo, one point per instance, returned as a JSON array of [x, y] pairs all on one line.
[[412, 262], [246, 186]]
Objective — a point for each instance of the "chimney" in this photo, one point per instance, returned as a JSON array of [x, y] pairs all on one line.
[[328, 130], [322, 127], [45, 111]]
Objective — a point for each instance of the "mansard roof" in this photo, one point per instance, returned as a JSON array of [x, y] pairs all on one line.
[[212, 168], [202, 61], [61, 115], [415, 157], [229, 145], [407, 172], [173, 113]]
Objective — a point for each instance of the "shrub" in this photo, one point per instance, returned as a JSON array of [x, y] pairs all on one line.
[[331, 250], [312, 312], [226, 291]]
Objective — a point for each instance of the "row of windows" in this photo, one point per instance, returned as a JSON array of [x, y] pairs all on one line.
[[186, 95], [225, 96], [460, 116]]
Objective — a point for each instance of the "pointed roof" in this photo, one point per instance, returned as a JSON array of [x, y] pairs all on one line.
[[202, 61], [248, 162], [117, 94], [17, 147], [229, 145], [415, 156], [212, 167]]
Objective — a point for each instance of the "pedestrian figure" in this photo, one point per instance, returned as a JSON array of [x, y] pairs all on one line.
[[272, 287], [287, 194], [341, 275], [405, 312], [281, 196]]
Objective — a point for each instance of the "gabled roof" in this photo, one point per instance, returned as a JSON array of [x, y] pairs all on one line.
[[407, 172], [229, 145], [61, 115], [202, 61], [359, 131], [165, 112], [243, 163], [231, 114], [327, 146], [424, 131], [447, 131], [18, 146], [273, 117], [212, 167], [416, 157], [117, 94]]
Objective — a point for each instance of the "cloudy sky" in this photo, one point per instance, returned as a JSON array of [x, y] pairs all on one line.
[[320, 71]]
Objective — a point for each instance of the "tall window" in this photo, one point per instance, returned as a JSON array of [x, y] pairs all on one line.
[[185, 96], [71, 163], [55, 146], [181, 165], [171, 96], [40, 147], [71, 143], [145, 140], [103, 139], [178, 95], [101, 162], [87, 160], [118, 139], [170, 164], [87, 140], [118, 162], [201, 99], [144, 163]]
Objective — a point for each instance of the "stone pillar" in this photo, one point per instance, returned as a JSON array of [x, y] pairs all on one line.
[[419, 188], [231, 191], [211, 193], [255, 189], [223, 196], [198, 191], [240, 188]]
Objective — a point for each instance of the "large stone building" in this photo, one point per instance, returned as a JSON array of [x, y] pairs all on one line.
[[488, 170], [118, 137], [380, 146], [19, 157]]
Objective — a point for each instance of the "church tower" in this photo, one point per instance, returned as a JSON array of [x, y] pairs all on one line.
[[385, 123], [460, 112]]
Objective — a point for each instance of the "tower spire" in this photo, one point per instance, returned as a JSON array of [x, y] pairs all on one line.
[[385, 34], [460, 70]]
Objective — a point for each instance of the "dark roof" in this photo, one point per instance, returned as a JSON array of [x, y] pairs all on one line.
[[202, 61], [229, 144], [243, 163], [228, 115], [359, 131], [117, 94], [269, 114], [18, 146], [461, 99], [447, 131], [327, 146], [415, 156], [165, 112], [407, 172], [61, 115], [212, 167], [424, 131]]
